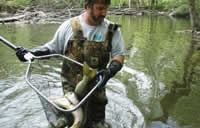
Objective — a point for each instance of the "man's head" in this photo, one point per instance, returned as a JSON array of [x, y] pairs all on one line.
[[90, 3], [96, 10]]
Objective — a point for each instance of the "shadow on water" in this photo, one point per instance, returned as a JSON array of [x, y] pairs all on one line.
[[158, 86]]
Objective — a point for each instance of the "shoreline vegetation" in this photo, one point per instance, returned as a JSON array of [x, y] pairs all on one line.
[[56, 11], [30, 15]]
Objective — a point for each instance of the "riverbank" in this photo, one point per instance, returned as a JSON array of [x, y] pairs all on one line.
[[57, 16]]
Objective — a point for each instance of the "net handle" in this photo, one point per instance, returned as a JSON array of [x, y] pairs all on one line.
[[27, 75], [9, 44]]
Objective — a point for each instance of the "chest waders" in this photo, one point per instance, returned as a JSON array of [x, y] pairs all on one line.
[[96, 55]]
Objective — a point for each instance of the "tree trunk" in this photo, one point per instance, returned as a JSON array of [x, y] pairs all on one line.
[[142, 2], [130, 3], [152, 4], [193, 16], [11, 19], [138, 3]]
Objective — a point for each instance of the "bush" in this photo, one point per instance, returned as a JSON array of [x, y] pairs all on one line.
[[184, 9], [121, 3], [13, 4], [23, 2], [181, 11]]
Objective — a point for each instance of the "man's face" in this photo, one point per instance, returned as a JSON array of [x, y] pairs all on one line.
[[98, 13]]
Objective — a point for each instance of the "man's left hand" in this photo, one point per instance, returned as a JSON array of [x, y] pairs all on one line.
[[109, 72], [105, 75]]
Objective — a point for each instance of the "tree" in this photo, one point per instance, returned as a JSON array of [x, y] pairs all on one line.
[[194, 16], [130, 3], [152, 4]]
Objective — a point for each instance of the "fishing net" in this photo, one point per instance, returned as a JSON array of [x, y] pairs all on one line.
[[44, 76]]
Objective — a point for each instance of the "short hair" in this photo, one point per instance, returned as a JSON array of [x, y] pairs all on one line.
[[92, 2]]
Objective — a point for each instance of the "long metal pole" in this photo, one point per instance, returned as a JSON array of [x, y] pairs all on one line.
[[9, 44]]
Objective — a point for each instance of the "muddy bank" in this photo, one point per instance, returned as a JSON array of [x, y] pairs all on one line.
[[50, 16], [38, 16]]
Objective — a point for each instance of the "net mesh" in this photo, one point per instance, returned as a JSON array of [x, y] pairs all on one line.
[[45, 75]]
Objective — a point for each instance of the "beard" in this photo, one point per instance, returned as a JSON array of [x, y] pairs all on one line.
[[97, 19]]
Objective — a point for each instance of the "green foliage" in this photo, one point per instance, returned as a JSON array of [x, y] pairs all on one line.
[[11, 4], [182, 10], [18, 3], [197, 5], [167, 5], [119, 3], [2, 1], [59, 3], [23, 2]]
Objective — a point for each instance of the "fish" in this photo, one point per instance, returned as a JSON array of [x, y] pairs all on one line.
[[88, 74], [70, 99]]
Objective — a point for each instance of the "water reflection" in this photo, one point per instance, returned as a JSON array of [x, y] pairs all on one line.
[[159, 54], [158, 61], [185, 93]]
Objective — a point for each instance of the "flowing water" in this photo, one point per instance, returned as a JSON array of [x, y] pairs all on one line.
[[151, 91]]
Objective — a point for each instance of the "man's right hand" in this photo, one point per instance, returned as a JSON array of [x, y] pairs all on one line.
[[25, 55], [20, 53]]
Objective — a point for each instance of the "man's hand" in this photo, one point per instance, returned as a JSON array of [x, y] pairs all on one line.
[[109, 72], [20, 53], [24, 55], [105, 75]]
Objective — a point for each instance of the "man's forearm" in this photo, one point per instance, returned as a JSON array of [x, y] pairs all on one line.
[[40, 51], [119, 59]]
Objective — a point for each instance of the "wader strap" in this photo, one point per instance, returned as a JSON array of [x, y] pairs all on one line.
[[77, 28], [111, 30]]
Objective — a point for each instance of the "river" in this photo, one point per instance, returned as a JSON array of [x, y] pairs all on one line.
[[151, 91]]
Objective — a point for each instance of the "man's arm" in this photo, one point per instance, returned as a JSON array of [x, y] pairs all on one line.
[[119, 58], [57, 45], [117, 53]]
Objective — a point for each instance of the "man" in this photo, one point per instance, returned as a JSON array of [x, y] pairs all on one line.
[[92, 39]]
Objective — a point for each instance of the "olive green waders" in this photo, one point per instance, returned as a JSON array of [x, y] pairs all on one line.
[[96, 55]]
